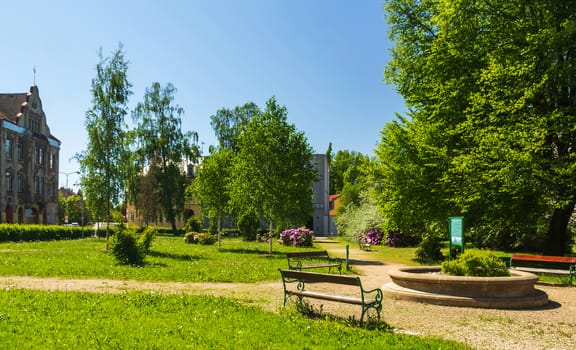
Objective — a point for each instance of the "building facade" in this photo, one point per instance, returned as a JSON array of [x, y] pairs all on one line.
[[321, 217], [29, 160]]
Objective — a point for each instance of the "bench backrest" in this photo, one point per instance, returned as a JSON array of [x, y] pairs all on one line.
[[307, 254], [313, 277], [544, 258]]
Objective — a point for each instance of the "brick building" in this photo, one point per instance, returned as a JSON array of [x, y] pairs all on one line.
[[29, 156]]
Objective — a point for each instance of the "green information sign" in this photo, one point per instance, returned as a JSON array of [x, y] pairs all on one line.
[[456, 228]]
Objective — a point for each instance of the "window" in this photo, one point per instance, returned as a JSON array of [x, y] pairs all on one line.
[[39, 155], [20, 152], [52, 160], [8, 148], [37, 184], [34, 125], [20, 183], [9, 182]]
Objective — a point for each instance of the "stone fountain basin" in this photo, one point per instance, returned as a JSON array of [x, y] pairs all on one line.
[[426, 284]]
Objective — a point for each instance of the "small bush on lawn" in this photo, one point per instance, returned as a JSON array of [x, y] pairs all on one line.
[[200, 238], [470, 264], [127, 248], [248, 224], [192, 225], [298, 237], [429, 250]]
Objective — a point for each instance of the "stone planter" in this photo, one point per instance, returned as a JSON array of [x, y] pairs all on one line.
[[426, 284]]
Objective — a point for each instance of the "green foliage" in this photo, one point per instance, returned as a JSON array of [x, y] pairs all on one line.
[[430, 248], [470, 264], [147, 237], [273, 169], [127, 248], [161, 142], [210, 187], [248, 224], [200, 238], [355, 220], [104, 165], [489, 129], [192, 225], [346, 169], [27, 233]]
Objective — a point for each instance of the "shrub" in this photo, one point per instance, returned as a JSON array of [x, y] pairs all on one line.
[[298, 237], [147, 237], [429, 250], [200, 238], [190, 237], [126, 248], [248, 224], [399, 239], [470, 264], [374, 236], [192, 225]]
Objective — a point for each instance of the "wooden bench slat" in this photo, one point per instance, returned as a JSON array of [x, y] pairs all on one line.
[[545, 264], [544, 258]]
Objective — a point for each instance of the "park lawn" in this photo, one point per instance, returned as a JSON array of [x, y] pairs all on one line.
[[73, 320], [170, 260]]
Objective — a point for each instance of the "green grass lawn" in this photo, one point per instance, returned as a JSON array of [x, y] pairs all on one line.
[[70, 320], [170, 260]]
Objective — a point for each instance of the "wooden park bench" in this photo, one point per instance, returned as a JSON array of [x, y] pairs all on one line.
[[541, 264], [313, 260], [368, 299]]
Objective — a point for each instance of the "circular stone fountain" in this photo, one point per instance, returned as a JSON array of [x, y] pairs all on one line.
[[426, 284]]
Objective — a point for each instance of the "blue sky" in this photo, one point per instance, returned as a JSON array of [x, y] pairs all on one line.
[[322, 59]]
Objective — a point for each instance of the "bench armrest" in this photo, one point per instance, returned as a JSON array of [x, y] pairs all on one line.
[[378, 297]]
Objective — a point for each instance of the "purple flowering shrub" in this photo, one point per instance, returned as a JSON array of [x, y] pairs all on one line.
[[372, 237], [298, 237]]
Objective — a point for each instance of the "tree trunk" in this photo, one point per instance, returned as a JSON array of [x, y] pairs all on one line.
[[557, 238]]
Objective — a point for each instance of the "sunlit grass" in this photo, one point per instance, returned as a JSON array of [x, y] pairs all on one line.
[[169, 260], [70, 320]]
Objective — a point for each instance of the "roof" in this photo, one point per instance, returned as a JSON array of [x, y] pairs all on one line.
[[12, 105]]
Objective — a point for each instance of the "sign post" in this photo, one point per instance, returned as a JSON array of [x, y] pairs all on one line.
[[456, 229]]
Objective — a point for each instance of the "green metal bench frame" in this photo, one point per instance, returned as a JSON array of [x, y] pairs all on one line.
[[368, 299], [313, 260]]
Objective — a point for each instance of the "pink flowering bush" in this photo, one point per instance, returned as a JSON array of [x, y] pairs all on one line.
[[298, 237], [374, 236]]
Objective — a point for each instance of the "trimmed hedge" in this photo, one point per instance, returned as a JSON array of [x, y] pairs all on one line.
[[27, 233]]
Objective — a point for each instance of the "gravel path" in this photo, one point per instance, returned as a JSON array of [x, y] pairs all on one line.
[[550, 327]]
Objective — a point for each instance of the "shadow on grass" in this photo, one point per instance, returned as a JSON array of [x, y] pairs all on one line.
[[184, 257], [252, 251], [366, 262]]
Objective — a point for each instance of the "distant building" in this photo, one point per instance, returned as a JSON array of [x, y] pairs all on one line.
[[321, 217], [29, 156]]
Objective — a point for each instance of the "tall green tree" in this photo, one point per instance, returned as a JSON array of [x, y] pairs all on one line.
[[229, 123], [161, 143], [210, 187], [103, 173], [494, 84], [346, 169], [273, 169]]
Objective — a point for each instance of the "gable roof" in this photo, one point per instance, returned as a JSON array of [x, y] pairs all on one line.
[[13, 105]]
